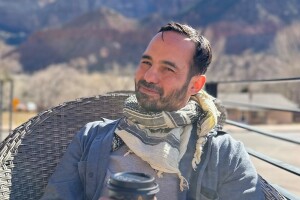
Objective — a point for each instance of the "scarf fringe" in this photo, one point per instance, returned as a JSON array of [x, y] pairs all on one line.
[[160, 174], [184, 184], [198, 152], [128, 152]]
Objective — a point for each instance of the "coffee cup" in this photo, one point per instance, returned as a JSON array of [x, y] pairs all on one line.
[[132, 186]]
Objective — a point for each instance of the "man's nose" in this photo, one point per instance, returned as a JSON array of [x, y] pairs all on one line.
[[151, 75]]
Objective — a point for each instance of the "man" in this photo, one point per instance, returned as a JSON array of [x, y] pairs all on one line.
[[170, 131]]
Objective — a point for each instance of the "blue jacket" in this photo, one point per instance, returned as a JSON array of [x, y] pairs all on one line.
[[225, 171]]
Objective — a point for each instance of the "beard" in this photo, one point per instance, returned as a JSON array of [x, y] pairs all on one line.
[[169, 102]]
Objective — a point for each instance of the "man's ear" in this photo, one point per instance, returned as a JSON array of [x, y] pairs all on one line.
[[197, 83]]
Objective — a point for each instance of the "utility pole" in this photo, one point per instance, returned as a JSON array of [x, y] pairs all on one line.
[[11, 91], [1, 107], [11, 103]]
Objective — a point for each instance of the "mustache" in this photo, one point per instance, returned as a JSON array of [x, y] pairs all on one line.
[[150, 86]]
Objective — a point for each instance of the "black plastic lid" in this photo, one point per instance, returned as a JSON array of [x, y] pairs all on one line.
[[134, 182]]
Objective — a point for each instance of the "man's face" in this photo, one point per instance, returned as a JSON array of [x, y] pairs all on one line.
[[161, 79]]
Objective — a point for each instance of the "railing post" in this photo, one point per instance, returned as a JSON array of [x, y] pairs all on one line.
[[212, 88]]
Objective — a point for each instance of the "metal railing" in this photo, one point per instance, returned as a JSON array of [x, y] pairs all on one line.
[[212, 88]]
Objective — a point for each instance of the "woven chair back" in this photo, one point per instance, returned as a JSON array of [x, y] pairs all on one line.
[[29, 155]]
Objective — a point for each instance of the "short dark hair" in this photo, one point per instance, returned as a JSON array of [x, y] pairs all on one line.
[[203, 54]]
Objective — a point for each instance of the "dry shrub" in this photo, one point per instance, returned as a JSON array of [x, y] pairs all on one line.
[[60, 83]]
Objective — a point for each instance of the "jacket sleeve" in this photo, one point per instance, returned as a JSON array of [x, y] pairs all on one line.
[[65, 182], [239, 179]]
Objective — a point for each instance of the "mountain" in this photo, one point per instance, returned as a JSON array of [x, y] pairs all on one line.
[[33, 15], [245, 24], [102, 32], [206, 12]]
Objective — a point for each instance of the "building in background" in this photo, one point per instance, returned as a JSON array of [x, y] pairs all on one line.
[[255, 115]]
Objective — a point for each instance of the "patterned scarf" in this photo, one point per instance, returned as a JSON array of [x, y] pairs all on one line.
[[161, 138]]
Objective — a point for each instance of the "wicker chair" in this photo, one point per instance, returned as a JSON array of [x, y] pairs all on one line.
[[29, 155]]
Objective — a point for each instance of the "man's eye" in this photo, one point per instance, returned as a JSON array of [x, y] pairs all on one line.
[[169, 69], [146, 62]]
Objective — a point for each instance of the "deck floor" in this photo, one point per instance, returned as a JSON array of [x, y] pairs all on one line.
[[280, 150]]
